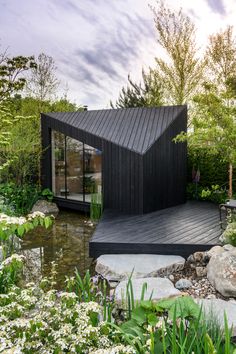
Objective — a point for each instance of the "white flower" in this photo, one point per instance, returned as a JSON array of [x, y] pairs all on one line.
[[12, 258]]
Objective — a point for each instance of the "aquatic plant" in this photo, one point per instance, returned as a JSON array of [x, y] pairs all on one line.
[[96, 206]]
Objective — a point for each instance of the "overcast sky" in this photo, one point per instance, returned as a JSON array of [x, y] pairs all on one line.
[[97, 43]]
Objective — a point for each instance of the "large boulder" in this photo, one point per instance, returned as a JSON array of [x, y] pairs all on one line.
[[215, 309], [157, 288], [121, 266], [221, 272], [48, 208]]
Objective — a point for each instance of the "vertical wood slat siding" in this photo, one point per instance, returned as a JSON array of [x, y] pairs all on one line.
[[121, 179], [132, 182], [165, 165]]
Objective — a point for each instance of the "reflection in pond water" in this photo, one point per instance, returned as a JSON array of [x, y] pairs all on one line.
[[66, 243]]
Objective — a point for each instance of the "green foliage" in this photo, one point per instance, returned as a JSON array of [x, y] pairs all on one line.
[[47, 194], [182, 72], [10, 272], [23, 151], [91, 289], [19, 198], [213, 168], [33, 320], [174, 325], [11, 78], [213, 193], [229, 235], [11, 225], [96, 206], [145, 94]]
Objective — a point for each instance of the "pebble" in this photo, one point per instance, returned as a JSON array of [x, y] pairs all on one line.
[[183, 284], [171, 277]]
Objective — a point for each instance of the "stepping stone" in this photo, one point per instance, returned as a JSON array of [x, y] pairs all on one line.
[[120, 266], [215, 309], [160, 288]]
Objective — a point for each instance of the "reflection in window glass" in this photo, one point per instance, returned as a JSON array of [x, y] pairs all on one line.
[[74, 172], [82, 175], [92, 171], [58, 164]]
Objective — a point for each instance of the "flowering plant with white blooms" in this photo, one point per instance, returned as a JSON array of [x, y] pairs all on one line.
[[10, 272], [32, 320], [13, 225]]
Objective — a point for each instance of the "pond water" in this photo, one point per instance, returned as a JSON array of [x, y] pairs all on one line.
[[66, 243]]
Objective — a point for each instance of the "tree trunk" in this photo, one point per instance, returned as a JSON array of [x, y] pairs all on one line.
[[230, 180]]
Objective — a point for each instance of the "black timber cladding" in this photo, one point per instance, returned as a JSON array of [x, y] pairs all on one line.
[[137, 153]]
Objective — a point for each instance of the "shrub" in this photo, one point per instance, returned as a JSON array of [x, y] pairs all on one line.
[[19, 199], [10, 272], [229, 235], [32, 320], [174, 326], [213, 193]]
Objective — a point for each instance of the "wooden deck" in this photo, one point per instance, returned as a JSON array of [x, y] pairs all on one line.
[[180, 230]]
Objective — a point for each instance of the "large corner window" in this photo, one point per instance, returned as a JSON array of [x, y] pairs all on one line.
[[76, 168]]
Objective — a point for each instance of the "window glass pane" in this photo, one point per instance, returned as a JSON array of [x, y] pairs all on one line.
[[92, 171], [74, 173], [58, 164]]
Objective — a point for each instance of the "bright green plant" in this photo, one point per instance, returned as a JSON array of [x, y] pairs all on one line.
[[47, 194], [229, 235], [174, 326], [96, 206], [12, 227], [213, 193], [10, 272], [19, 198], [91, 289]]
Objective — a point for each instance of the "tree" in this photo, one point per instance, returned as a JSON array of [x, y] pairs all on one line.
[[11, 74], [42, 82], [221, 65], [182, 72], [145, 93], [214, 125], [221, 59]]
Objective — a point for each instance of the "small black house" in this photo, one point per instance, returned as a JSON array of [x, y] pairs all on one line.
[[128, 155]]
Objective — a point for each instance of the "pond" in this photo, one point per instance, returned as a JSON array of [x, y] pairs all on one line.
[[66, 243]]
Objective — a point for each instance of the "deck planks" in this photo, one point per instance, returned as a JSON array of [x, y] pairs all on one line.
[[183, 229]]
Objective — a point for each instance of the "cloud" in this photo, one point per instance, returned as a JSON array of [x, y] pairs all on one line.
[[217, 6], [96, 44]]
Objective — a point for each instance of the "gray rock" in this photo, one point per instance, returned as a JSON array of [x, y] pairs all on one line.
[[48, 208], [221, 272], [215, 310], [159, 288], [198, 256], [183, 284], [214, 250], [201, 271], [229, 247], [120, 266]]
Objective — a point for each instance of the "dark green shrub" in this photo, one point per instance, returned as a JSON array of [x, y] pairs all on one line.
[[19, 198]]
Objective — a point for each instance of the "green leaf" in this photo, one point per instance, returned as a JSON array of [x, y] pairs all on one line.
[[20, 230], [152, 319], [139, 315], [47, 222], [185, 307]]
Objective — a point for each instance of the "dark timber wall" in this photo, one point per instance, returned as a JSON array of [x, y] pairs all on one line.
[[165, 169], [142, 168]]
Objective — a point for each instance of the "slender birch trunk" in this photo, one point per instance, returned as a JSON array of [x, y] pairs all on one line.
[[230, 180]]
